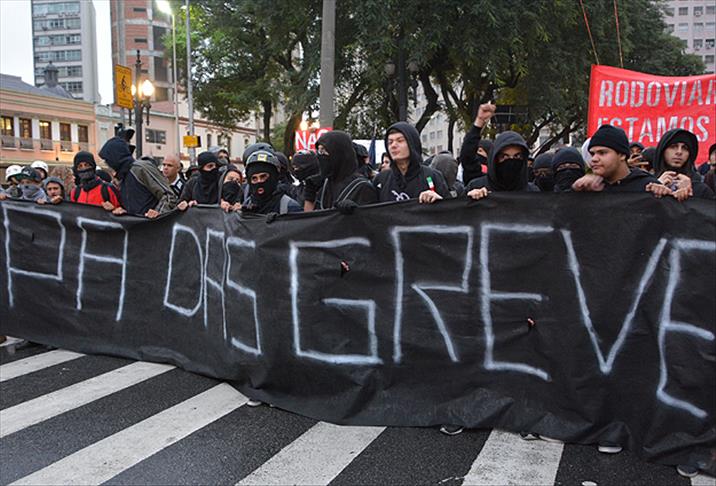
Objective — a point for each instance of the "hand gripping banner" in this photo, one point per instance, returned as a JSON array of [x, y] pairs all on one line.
[[647, 106], [583, 317]]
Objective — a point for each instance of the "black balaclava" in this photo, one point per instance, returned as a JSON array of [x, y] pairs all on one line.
[[510, 175], [341, 161], [208, 180], [565, 177], [283, 174], [231, 190], [262, 192], [670, 138], [83, 177], [486, 145], [116, 152], [544, 182], [304, 164]]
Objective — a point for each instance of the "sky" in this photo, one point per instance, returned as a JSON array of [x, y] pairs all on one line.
[[16, 43]]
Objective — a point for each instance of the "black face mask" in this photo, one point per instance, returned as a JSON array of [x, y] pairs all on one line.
[[209, 176], [563, 179], [261, 196], [325, 166], [545, 183], [481, 159], [231, 191], [86, 175], [509, 171]]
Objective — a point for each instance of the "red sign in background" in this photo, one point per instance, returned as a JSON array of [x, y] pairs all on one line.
[[647, 106], [306, 139]]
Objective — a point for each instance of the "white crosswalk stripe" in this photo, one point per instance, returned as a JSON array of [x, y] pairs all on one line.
[[47, 406], [702, 480], [36, 363], [315, 458], [107, 458], [508, 459]]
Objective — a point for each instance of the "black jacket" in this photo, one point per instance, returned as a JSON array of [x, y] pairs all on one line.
[[471, 167], [492, 181], [689, 168], [344, 181], [194, 190], [392, 185], [635, 181]]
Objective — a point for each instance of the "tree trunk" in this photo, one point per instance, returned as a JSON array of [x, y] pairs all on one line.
[[267, 120], [450, 134], [289, 135]]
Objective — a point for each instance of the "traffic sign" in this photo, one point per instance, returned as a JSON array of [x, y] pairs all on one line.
[[123, 87], [192, 141]]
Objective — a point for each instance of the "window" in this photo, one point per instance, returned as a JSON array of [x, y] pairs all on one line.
[[160, 70], [711, 27], [710, 43], [698, 11], [73, 87], [158, 33], [42, 9], [425, 138], [161, 94], [208, 140], [432, 135], [439, 134], [139, 9], [698, 43], [25, 128], [82, 134], [698, 27], [709, 59], [683, 10], [140, 40], [47, 56], [8, 127], [65, 132], [684, 27], [155, 136], [45, 130], [711, 10]]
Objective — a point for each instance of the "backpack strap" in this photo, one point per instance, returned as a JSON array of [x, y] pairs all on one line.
[[283, 205], [76, 194], [105, 192]]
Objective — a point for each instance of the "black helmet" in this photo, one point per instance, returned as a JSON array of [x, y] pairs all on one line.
[[262, 161], [254, 147]]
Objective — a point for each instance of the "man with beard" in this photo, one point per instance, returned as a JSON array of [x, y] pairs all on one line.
[[90, 189], [674, 161], [304, 165], [408, 178], [506, 168], [567, 166], [542, 170], [262, 173], [144, 189], [343, 187], [474, 151], [203, 189]]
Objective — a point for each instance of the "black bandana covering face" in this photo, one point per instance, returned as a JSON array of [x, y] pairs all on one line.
[[231, 191]]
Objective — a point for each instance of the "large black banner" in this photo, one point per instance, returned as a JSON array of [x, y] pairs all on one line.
[[583, 317]]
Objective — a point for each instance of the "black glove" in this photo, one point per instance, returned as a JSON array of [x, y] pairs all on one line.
[[313, 185], [271, 217], [346, 206]]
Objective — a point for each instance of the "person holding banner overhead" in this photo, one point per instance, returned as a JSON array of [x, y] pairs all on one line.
[[674, 162]]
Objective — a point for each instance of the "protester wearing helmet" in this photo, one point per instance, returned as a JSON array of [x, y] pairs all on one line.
[[11, 174], [262, 173], [29, 181], [42, 168]]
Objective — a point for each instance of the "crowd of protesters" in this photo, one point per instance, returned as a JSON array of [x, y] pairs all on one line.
[[338, 174]]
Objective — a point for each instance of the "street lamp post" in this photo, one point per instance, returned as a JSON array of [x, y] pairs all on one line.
[[190, 99], [142, 93], [402, 81], [165, 7]]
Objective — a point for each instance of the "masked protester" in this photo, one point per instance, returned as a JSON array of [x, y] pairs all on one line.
[[674, 160], [144, 189], [204, 189], [506, 168], [262, 173], [232, 192], [408, 178], [446, 164], [567, 166], [474, 151], [338, 168], [29, 186], [89, 188], [304, 164], [11, 174], [542, 170], [363, 158]]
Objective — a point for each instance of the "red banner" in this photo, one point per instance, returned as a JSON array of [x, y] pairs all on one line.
[[306, 139], [647, 106]]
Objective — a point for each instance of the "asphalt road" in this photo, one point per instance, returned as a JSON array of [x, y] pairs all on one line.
[[70, 418]]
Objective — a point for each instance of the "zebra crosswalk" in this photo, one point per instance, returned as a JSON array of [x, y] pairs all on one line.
[[67, 418]]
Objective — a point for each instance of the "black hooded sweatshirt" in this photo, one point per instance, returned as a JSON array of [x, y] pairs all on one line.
[[470, 161], [492, 180], [392, 185], [688, 169], [342, 181]]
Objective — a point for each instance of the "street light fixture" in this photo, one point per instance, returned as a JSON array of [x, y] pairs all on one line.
[[165, 7], [142, 96]]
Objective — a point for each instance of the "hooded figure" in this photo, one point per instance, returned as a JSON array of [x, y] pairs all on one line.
[[285, 182], [648, 156], [362, 157], [89, 188], [543, 175], [393, 185], [265, 196], [473, 154], [205, 188], [338, 166], [510, 174], [304, 164], [567, 166], [446, 164], [687, 168], [231, 187], [142, 186], [52, 185]]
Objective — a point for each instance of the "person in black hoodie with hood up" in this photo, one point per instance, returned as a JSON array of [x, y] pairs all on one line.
[[144, 189], [674, 160], [343, 186], [304, 164], [204, 189], [474, 151], [408, 178], [506, 168], [567, 166], [542, 170]]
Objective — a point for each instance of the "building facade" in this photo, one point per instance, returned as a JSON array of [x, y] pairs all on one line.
[[694, 21], [40, 124], [63, 32]]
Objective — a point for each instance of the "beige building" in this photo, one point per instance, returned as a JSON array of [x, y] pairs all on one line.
[[45, 124], [694, 21]]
